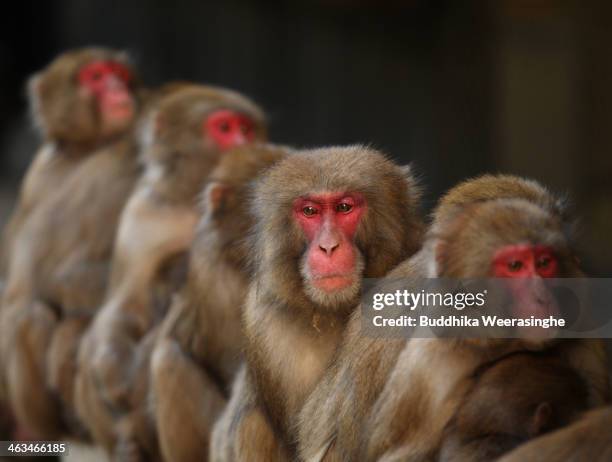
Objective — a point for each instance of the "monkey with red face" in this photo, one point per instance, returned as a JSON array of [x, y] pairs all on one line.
[[185, 133], [61, 234], [324, 219], [393, 398]]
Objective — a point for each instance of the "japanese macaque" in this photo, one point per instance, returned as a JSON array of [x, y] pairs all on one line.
[[590, 438], [324, 219], [513, 400], [82, 101], [61, 234], [185, 135], [392, 399], [199, 347]]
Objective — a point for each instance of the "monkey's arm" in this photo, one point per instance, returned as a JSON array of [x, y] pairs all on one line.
[[588, 439], [340, 403], [61, 357], [30, 193], [42, 179], [135, 429], [110, 361], [26, 366], [107, 355], [187, 402]]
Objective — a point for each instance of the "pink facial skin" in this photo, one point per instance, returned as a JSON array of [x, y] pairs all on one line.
[[109, 82], [527, 265], [524, 260], [329, 222], [229, 129]]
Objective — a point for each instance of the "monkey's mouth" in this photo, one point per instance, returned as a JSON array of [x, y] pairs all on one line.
[[121, 111], [118, 107], [333, 282]]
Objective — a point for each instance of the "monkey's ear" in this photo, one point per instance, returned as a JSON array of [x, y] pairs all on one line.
[[541, 419], [407, 170], [124, 57], [215, 197], [414, 185], [35, 89]]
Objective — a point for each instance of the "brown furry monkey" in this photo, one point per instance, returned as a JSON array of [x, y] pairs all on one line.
[[324, 219], [58, 261], [75, 116], [391, 398], [185, 134]]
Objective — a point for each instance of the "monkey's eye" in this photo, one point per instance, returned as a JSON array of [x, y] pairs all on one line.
[[244, 128], [515, 265], [224, 126], [309, 211], [121, 72], [344, 207], [96, 76], [543, 262]]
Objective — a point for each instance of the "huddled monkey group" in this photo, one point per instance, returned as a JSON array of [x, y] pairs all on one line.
[[177, 288]]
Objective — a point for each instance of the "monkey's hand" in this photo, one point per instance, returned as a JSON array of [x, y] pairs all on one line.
[[26, 364], [34, 329], [107, 354], [111, 367], [61, 357]]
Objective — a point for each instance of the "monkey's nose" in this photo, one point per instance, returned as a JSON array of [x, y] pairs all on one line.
[[112, 82], [328, 248]]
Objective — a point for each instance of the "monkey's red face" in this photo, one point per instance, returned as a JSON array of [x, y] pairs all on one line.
[[229, 129], [109, 82], [332, 263], [528, 264]]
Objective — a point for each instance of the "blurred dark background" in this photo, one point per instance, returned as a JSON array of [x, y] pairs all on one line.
[[459, 88]]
